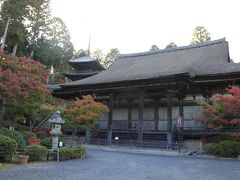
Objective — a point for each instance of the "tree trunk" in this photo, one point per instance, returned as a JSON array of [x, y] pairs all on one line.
[[5, 33], [15, 49], [31, 55], [2, 110], [30, 125], [33, 44]]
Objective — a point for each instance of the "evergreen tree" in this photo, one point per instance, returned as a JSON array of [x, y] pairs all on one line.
[[154, 48], [99, 55], [55, 46], [80, 53], [16, 11], [38, 19], [200, 34], [110, 57], [171, 45]]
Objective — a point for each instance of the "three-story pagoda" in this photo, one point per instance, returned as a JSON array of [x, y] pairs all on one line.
[[83, 67]]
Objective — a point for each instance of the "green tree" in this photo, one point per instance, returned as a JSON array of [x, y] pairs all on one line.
[[171, 45], [200, 34], [16, 10], [154, 48], [55, 48], [80, 53], [110, 57], [33, 32], [99, 55], [30, 109], [60, 40], [38, 18]]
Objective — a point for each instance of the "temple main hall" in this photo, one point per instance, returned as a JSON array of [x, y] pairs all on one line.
[[148, 93]]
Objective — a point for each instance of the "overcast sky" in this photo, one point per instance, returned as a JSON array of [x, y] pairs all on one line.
[[134, 25]]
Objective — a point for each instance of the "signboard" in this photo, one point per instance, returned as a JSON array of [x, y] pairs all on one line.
[[179, 122]]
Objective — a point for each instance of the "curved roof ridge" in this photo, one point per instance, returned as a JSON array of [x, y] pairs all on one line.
[[85, 58], [204, 44]]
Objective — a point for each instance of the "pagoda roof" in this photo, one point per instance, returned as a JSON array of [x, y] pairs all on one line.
[[86, 63], [206, 59], [79, 75]]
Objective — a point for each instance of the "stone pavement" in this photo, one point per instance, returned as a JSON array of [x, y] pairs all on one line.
[[114, 165]]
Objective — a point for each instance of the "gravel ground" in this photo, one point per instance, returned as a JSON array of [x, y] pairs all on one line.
[[106, 165]]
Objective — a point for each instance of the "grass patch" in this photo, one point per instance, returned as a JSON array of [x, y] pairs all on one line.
[[6, 165]]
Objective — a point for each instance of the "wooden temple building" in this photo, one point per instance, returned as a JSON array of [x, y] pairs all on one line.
[[147, 92]]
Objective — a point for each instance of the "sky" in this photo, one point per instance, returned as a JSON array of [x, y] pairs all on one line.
[[134, 25]]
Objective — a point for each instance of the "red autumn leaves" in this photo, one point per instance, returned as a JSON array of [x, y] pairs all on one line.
[[19, 76], [224, 110]]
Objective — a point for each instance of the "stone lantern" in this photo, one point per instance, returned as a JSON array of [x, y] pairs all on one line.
[[56, 123]]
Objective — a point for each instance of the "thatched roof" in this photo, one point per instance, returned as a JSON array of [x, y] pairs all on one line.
[[209, 58]]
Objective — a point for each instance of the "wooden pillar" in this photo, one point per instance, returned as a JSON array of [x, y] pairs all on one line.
[[110, 118], [181, 112], [88, 136], [129, 114], [140, 116], [207, 94], [156, 114], [180, 124], [181, 97], [169, 119]]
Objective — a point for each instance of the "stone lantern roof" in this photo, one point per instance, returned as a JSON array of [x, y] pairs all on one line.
[[56, 118]]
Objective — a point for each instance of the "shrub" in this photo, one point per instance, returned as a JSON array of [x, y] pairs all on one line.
[[66, 153], [33, 140], [235, 136], [27, 134], [229, 148], [224, 148], [7, 147], [217, 138], [42, 134], [17, 136], [212, 149], [47, 142], [36, 152]]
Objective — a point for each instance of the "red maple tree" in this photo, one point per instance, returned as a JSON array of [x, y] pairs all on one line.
[[20, 79], [84, 112], [224, 110], [19, 76]]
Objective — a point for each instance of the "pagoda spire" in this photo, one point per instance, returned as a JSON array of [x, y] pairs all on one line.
[[89, 43]]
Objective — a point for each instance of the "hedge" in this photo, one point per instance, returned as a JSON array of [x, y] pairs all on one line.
[[47, 142], [36, 152], [7, 148], [17, 136], [66, 153], [224, 148]]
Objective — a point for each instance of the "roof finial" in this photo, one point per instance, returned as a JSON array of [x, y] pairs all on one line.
[[89, 42]]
